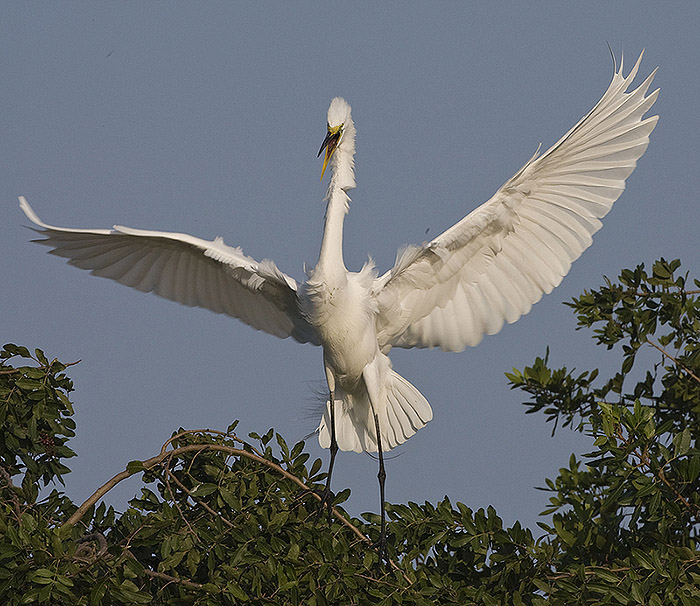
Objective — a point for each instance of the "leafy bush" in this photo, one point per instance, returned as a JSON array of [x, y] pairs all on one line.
[[222, 520]]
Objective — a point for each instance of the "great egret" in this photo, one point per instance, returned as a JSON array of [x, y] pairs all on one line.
[[487, 269]]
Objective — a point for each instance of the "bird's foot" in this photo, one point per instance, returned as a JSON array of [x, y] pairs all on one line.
[[380, 547]]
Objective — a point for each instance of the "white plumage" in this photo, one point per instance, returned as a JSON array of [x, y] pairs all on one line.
[[486, 270]]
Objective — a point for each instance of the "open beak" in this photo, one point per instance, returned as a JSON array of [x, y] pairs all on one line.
[[330, 144]]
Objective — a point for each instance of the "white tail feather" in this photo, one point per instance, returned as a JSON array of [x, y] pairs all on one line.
[[406, 411]]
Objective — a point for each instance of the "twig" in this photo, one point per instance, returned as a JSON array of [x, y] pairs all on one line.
[[662, 475], [670, 357], [15, 501], [658, 293], [168, 475], [202, 503], [171, 579], [590, 571], [8, 371], [161, 575]]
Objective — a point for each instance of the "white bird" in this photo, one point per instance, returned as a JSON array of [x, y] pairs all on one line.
[[486, 270]]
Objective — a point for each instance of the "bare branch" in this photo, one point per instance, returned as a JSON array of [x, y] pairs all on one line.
[[149, 464], [153, 461]]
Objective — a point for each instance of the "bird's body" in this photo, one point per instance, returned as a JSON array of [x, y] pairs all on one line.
[[486, 270], [342, 308]]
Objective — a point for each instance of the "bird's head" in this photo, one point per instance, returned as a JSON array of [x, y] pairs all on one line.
[[341, 131]]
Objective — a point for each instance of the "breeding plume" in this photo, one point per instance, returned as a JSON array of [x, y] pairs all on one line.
[[484, 271]]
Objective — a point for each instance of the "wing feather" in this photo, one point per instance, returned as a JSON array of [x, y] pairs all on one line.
[[493, 265], [194, 272]]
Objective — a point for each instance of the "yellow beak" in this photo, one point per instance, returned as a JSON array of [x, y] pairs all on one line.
[[330, 144]]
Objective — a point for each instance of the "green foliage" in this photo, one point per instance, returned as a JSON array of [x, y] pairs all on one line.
[[630, 515], [35, 416], [221, 520]]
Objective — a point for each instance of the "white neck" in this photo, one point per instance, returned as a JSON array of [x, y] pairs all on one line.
[[330, 260]]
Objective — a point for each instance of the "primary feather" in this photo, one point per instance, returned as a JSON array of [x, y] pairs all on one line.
[[499, 260], [191, 271]]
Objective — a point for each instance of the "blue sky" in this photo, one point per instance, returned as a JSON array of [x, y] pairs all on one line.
[[206, 118]]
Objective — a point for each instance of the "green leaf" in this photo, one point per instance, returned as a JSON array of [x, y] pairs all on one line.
[[293, 553], [606, 575], [235, 590], [29, 384], [133, 467], [43, 576], [15, 350], [282, 444], [202, 490], [661, 270], [682, 442]]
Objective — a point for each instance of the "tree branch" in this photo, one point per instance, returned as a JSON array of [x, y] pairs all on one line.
[[171, 579], [154, 461], [149, 464]]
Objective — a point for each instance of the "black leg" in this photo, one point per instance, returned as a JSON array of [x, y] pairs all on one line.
[[382, 477], [334, 451], [334, 443], [327, 496]]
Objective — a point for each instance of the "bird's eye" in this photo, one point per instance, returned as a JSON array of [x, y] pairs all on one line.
[[336, 131]]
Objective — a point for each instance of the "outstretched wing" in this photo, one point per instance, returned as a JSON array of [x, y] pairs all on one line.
[[194, 272], [501, 258]]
